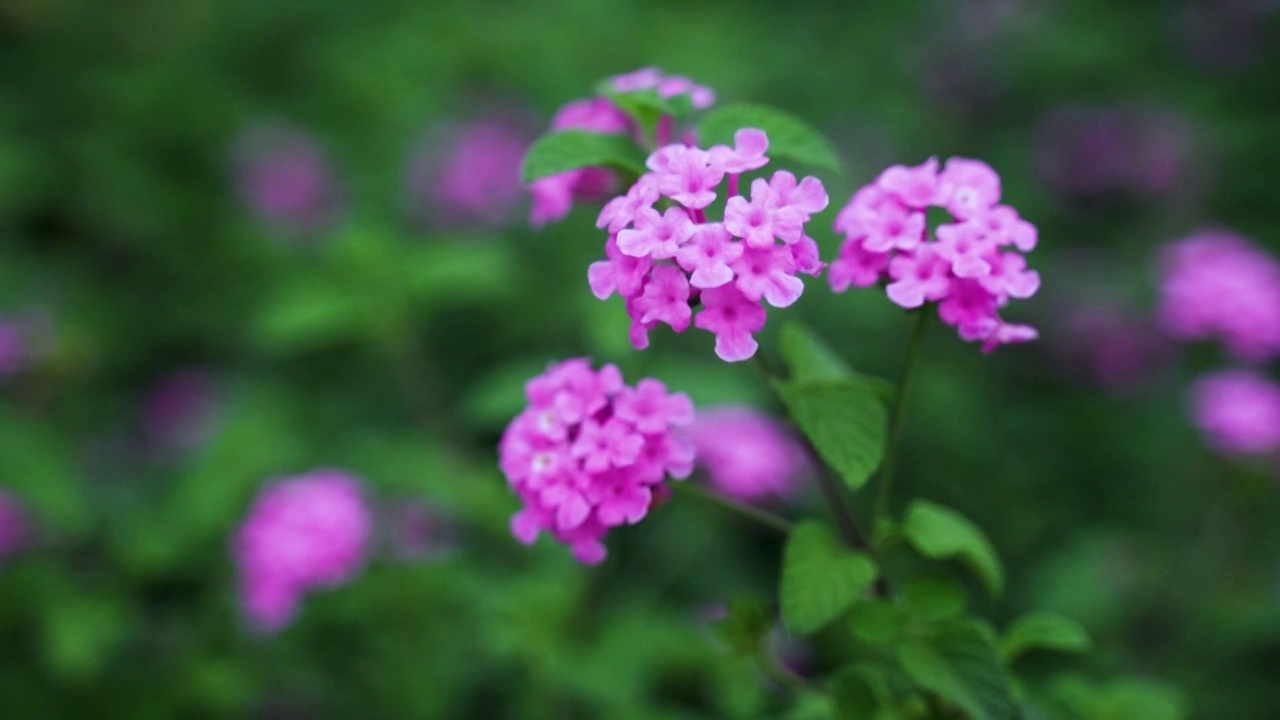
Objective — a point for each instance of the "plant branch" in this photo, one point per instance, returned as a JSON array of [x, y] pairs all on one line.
[[765, 518], [897, 417]]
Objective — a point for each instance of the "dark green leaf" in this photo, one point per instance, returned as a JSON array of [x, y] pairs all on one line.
[[309, 313], [1046, 630], [820, 577], [933, 598], [960, 665], [940, 533], [845, 421], [451, 272], [743, 628], [809, 359], [879, 622], [855, 694], [37, 466], [789, 137], [572, 149]]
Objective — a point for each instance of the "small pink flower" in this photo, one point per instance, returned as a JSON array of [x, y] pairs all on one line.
[[922, 276], [651, 409], [733, 317], [805, 256], [966, 248], [970, 308], [621, 273], [747, 153], [856, 267], [895, 228], [916, 187], [658, 236], [687, 175], [552, 197], [608, 468], [708, 255], [768, 273], [622, 210], [970, 186], [863, 209], [665, 298], [760, 220], [1003, 226], [1004, 333], [1009, 276], [469, 174], [747, 455], [806, 197], [1238, 411], [596, 114]]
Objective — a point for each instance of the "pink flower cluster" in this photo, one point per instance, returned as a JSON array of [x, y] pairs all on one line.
[[666, 261], [304, 532], [1216, 284], [469, 174], [15, 529], [971, 268], [590, 453], [747, 455], [553, 196], [1238, 411]]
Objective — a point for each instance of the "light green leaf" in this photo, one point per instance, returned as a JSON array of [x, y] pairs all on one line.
[[37, 467], [571, 149], [789, 137], [743, 628], [1046, 630], [941, 533], [646, 106], [1120, 699], [845, 421], [933, 598], [309, 313], [960, 665], [820, 577], [81, 631], [809, 360], [457, 271]]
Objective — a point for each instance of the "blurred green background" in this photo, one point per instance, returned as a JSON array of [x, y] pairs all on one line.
[[372, 332]]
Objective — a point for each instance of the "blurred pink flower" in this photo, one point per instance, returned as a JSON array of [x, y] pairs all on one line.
[[1238, 411], [283, 176], [14, 350], [178, 409], [746, 454], [469, 173], [1216, 284], [301, 533], [1109, 343]]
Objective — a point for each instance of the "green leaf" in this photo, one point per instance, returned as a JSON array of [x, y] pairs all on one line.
[[646, 106], [1120, 699], [845, 421], [81, 631], [309, 313], [878, 622], [743, 628], [855, 694], [789, 136], [960, 665], [809, 359], [456, 271], [38, 468], [571, 149], [1045, 630], [933, 598], [941, 533], [820, 577]]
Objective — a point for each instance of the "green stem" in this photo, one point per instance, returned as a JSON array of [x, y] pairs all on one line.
[[756, 515], [897, 417], [831, 491]]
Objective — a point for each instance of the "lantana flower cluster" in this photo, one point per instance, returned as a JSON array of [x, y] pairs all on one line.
[[1238, 411], [306, 532], [746, 454], [591, 453], [1218, 285], [554, 195], [665, 257], [971, 267]]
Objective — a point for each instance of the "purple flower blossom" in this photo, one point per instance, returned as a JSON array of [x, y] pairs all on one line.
[[178, 409], [970, 269], [747, 455], [469, 174], [1216, 284], [731, 265], [283, 176], [1238, 411], [301, 533], [605, 461]]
